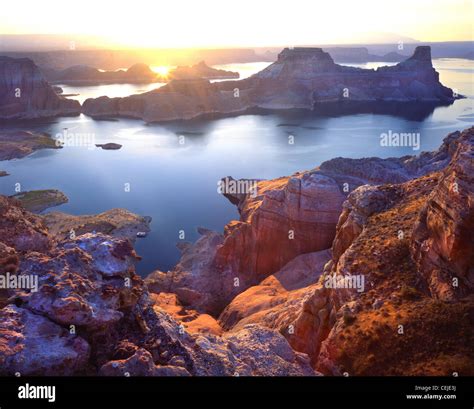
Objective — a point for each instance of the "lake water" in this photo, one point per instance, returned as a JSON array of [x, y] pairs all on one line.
[[177, 184]]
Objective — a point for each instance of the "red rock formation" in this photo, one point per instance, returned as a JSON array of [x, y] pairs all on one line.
[[282, 219], [398, 315], [443, 239], [277, 300]]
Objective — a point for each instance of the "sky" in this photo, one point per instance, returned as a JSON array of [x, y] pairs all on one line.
[[241, 23]]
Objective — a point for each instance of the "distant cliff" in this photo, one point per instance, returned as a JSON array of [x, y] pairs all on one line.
[[301, 78], [83, 74], [25, 94]]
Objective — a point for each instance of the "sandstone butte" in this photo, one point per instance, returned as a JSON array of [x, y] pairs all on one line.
[[301, 78]]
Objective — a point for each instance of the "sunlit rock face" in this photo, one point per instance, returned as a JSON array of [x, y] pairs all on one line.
[[282, 219], [25, 94], [412, 243], [301, 78], [442, 242], [404, 242]]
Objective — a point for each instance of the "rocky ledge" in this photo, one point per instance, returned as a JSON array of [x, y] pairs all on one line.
[[360, 264], [301, 78], [25, 94], [18, 144], [113, 222], [75, 306]]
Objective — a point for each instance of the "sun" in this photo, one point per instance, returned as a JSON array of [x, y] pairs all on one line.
[[162, 70]]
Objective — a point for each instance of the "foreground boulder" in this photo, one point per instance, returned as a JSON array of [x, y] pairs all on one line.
[[33, 345]]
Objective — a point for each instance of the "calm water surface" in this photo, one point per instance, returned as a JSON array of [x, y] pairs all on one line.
[[177, 184]]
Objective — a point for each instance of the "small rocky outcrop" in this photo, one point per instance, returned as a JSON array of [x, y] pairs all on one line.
[[20, 229], [278, 299], [109, 146], [25, 94]]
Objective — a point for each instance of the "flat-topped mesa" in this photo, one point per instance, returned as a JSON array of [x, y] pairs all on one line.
[[25, 94], [299, 53], [299, 63]]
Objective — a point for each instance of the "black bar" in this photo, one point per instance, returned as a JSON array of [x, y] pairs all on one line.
[[242, 392]]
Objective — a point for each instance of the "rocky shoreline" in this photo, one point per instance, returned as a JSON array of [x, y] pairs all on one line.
[[92, 315]]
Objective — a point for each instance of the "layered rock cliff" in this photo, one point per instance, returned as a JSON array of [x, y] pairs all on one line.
[[398, 276], [279, 220], [301, 78], [25, 94]]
